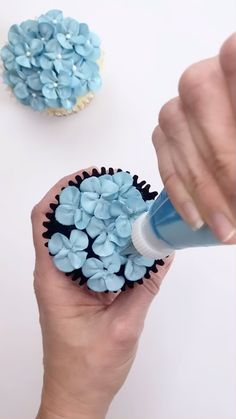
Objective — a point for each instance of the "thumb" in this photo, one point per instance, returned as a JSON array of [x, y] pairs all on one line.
[[132, 306]]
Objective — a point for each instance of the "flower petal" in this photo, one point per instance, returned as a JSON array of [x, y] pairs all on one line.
[[57, 242], [79, 240], [71, 25], [21, 91], [45, 63], [68, 103], [123, 226], [91, 184], [102, 246], [34, 82], [97, 284], [70, 195], [112, 263], [64, 214], [114, 282], [95, 83], [64, 92], [108, 189], [134, 272], [101, 210], [15, 35], [23, 61], [77, 259], [81, 219], [89, 201], [48, 76], [46, 30], [84, 30], [124, 180], [91, 267], [142, 261], [63, 264], [63, 41], [95, 227], [37, 103], [49, 93], [7, 54], [95, 39], [36, 46]]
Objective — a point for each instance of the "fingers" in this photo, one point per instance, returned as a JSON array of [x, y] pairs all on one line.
[[174, 185], [133, 304], [196, 149], [40, 210], [206, 100], [228, 64], [192, 171]]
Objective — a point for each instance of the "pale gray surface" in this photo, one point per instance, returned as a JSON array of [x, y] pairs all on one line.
[[186, 366]]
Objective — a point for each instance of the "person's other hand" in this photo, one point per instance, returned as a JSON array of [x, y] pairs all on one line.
[[89, 339], [196, 144]]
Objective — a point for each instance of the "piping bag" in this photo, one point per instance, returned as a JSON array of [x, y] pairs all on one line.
[[160, 231]]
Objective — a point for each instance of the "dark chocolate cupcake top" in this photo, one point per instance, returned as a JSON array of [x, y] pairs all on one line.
[[89, 231]]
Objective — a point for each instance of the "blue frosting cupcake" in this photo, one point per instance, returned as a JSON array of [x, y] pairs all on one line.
[[52, 63], [89, 230]]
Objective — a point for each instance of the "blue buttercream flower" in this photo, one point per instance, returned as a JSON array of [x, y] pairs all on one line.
[[26, 88], [68, 33], [8, 57], [69, 211], [136, 266], [53, 16], [60, 45], [57, 89], [107, 236], [97, 194], [102, 274], [68, 254], [56, 57], [85, 75], [26, 54]]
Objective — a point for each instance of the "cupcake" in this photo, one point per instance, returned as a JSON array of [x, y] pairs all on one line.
[[52, 63], [88, 231]]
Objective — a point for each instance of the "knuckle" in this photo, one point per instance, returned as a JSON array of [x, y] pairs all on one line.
[[199, 180], [169, 180], [198, 81], [124, 334], [155, 136], [35, 212], [189, 80], [225, 169], [169, 115], [227, 54]]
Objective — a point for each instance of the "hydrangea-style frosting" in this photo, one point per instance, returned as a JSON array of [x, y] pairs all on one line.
[[89, 231], [52, 61]]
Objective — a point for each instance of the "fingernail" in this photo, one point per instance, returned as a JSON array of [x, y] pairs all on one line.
[[223, 228], [192, 215]]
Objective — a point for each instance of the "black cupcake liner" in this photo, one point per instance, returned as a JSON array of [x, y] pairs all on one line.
[[53, 226]]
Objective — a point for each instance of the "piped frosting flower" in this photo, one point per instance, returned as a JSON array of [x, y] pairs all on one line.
[[69, 211], [68, 254], [66, 49], [136, 266], [97, 195], [100, 210], [102, 274]]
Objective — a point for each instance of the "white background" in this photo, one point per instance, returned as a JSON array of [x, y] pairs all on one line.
[[186, 365]]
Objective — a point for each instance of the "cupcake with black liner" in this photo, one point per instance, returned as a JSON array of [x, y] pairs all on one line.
[[89, 230], [52, 63]]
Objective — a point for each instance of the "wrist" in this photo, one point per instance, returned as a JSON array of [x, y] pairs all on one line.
[[56, 404], [48, 413]]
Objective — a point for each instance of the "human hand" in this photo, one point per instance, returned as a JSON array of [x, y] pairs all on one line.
[[89, 339], [196, 144]]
